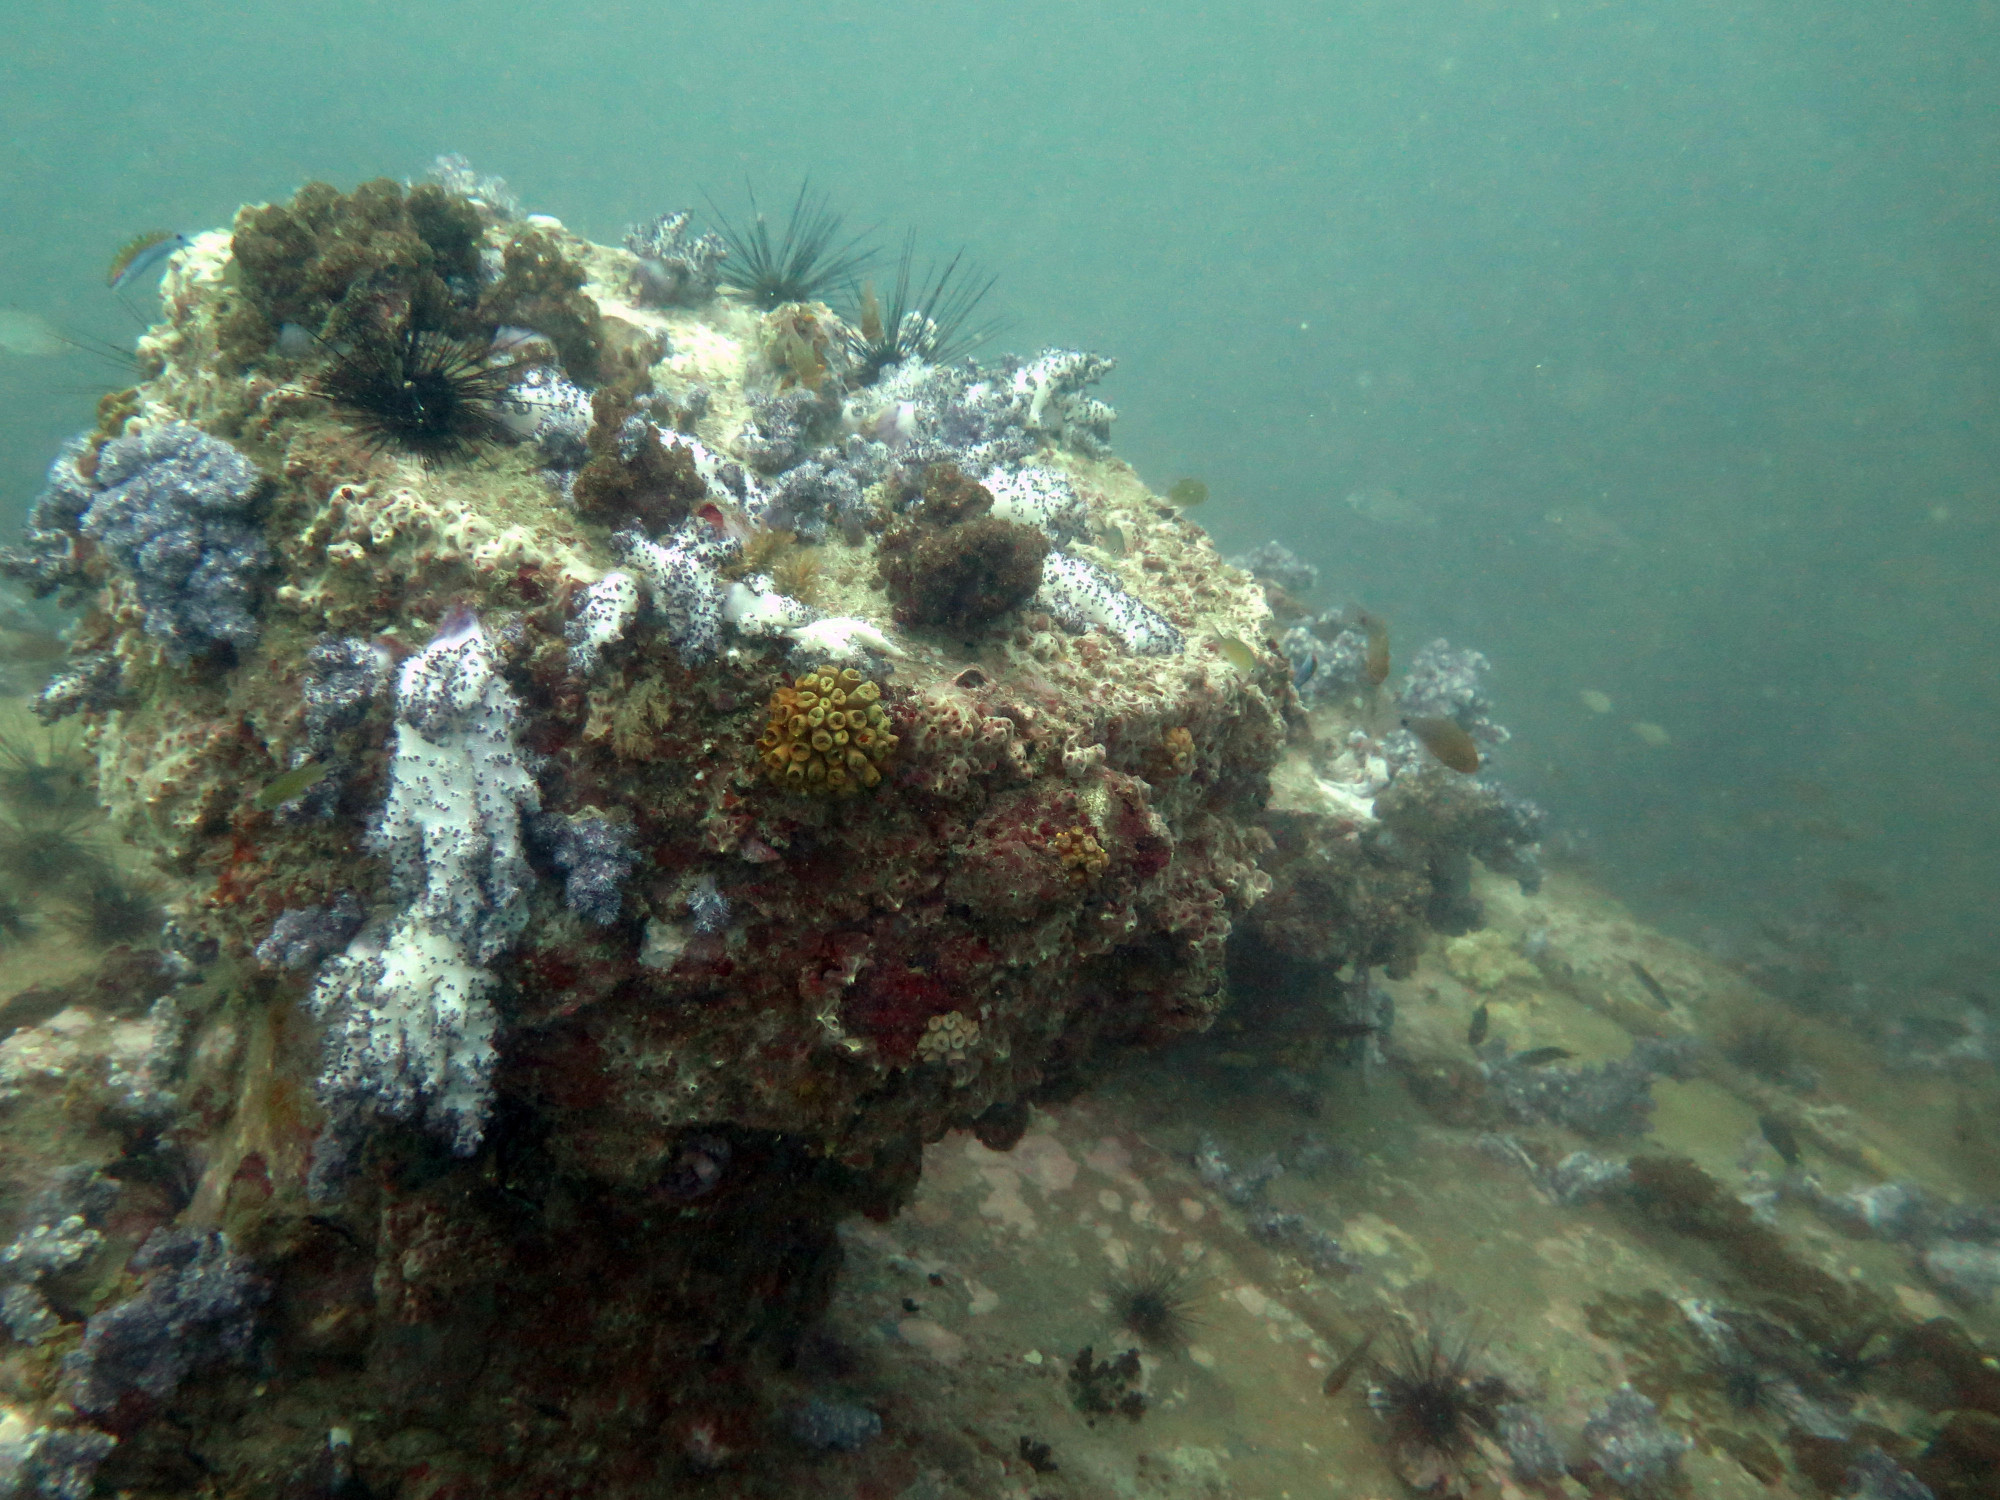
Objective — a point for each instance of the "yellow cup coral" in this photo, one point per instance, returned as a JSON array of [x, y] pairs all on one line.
[[827, 735]]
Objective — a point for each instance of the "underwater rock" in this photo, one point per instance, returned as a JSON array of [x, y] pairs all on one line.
[[452, 1058]]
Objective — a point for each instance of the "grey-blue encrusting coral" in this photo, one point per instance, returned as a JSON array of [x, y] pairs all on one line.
[[829, 489], [832, 1426], [596, 856], [343, 675], [1531, 1447], [198, 1303], [1605, 1101], [60, 1231], [46, 558], [1274, 562], [1629, 1443], [779, 432], [1446, 683], [1317, 1247], [676, 268], [1876, 1476], [1329, 655], [303, 935], [987, 420], [178, 511], [53, 1463], [456, 175], [1239, 1185]]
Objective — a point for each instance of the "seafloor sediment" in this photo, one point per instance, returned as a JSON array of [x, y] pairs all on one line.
[[640, 776]]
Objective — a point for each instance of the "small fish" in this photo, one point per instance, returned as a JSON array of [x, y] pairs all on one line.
[[1236, 653], [1386, 505], [1303, 672], [1652, 985], [1375, 665], [293, 783], [1336, 1380], [1186, 494], [1596, 702], [1780, 1135], [1536, 1057], [1652, 734], [1444, 739], [1112, 539], [1855, 895], [141, 254], [1476, 1032], [28, 335]]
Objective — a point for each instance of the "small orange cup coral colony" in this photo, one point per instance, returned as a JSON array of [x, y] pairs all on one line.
[[827, 735]]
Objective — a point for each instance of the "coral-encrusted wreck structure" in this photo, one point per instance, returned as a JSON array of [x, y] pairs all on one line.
[[605, 864]]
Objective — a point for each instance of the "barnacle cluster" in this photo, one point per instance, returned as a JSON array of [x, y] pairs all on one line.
[[828, 735]]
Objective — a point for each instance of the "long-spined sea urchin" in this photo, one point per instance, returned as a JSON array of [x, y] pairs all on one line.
[[1155, 1302], [1423, 1391], [930, 320], [419, 391], [806, 262]]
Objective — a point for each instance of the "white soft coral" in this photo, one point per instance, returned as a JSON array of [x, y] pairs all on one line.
[[408, 1026]]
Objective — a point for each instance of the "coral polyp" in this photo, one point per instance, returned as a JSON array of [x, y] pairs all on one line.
[[827, 735]]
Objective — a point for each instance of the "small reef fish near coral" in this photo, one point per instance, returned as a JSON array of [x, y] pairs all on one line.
[[647, 870]]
